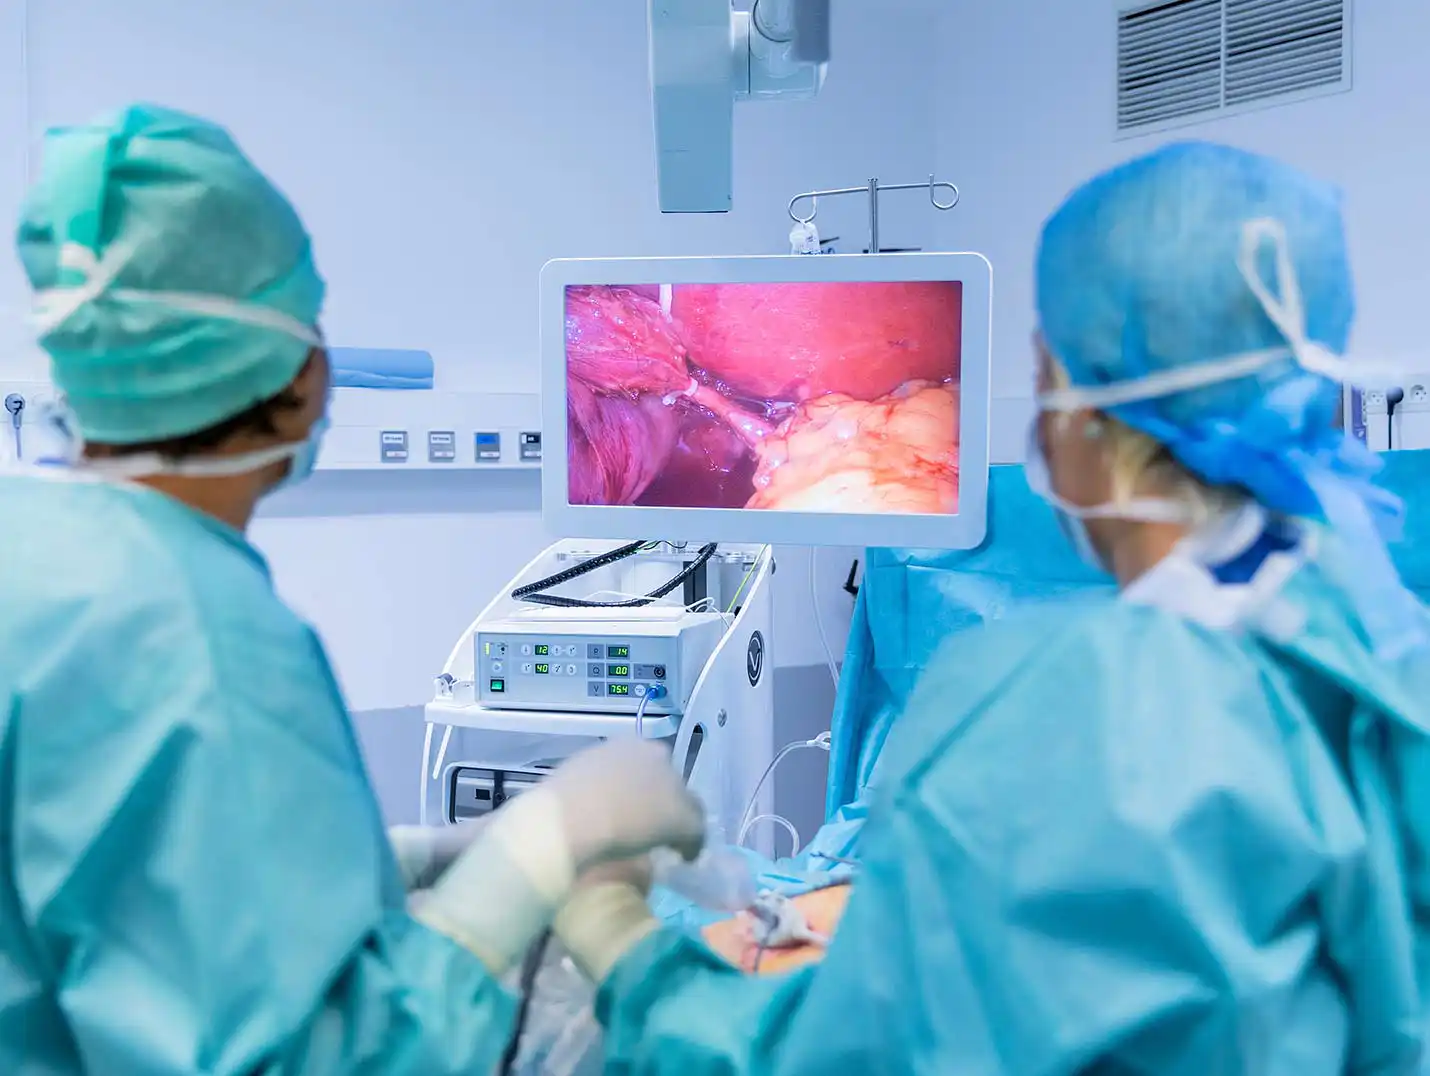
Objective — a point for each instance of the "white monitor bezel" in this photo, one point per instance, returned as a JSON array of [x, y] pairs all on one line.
[[964, 530]]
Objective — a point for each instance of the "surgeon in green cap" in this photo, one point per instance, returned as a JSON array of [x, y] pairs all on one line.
[[194, 875]]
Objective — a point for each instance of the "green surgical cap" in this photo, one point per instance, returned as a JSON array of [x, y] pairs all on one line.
[[187, 278]]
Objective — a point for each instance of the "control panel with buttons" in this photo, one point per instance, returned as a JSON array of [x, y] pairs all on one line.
[[558, 671]]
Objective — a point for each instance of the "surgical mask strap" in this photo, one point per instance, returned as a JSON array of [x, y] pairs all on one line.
[[1135, 509], [149, 464], [1285, 310]]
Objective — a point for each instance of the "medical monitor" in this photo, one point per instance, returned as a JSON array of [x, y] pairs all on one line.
[[803, 399]]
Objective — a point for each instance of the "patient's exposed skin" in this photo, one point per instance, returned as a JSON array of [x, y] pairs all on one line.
[[733, 939]]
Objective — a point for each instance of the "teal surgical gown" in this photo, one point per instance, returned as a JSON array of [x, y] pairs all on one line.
[[1109, 839], [194, 876]]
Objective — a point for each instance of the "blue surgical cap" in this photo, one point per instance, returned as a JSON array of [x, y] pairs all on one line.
[[1141, 272], [170, 205], [1137, 272]]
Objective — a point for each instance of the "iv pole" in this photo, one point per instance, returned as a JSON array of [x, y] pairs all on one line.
[[873, 190]]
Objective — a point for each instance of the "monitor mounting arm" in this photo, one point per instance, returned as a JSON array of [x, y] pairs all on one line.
[[705, 56]]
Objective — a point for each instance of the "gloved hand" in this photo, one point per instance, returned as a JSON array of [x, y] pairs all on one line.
[[637, 872], [615, 801], [607, 915], [623, 799], [425, 852]]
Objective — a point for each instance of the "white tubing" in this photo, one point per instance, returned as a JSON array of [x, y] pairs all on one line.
[[422, 786]]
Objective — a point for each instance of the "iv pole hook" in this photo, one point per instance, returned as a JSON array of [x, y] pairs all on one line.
[[872, 190]]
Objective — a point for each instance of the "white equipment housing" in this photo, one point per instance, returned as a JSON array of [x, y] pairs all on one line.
[[705, 56], [607, 660], [718, 713]]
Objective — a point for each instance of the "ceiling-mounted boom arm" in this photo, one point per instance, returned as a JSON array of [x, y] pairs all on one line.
[[811, 31], [704, 56]]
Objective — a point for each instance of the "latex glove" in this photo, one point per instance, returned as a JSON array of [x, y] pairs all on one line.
[[607, 915], [624, 799], [616, 801], [425, 852], [637, 873]]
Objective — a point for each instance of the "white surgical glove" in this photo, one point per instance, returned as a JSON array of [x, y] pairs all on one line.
[[425, 852], [624, 799], [616, 801], [607, 915]]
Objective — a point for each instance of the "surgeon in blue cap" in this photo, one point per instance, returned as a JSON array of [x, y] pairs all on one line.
[[195, 877], [1181, 830]]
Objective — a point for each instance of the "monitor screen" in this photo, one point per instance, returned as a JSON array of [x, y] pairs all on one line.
[[823, 400]]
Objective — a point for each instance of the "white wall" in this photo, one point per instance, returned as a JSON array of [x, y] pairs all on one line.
[[441, 152], [13, 139], [1026, 92]]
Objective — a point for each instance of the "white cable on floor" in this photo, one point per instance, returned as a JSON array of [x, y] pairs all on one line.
[[819, 617]]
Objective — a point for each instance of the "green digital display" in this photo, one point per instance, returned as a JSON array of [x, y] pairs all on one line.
[[542, 650], [542, 667], [618, 651], [618, 689], [618, 670]]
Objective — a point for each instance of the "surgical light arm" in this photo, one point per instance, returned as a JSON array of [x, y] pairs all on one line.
[[704, 56]]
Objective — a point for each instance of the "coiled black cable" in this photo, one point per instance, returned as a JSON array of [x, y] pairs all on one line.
[[577, 570], [533, 592]]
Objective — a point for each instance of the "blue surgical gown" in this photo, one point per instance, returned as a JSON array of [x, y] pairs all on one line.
[[1108, 839], [195, 876]]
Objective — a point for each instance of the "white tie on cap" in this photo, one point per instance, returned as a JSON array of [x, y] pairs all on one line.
[[1287, 311], [1284, 309], [54, 306]]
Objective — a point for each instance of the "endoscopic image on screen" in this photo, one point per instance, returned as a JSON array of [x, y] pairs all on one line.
[[820, 397]]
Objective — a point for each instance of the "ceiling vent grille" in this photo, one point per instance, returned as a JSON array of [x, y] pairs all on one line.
[[1181, 59]]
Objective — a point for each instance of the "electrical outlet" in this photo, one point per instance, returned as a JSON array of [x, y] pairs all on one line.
[[1412, 415], [1373, 401]]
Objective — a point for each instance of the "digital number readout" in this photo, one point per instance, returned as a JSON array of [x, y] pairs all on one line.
[[618, 689], [618, 670], [542, 650], [618, 651], [543, 667]]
